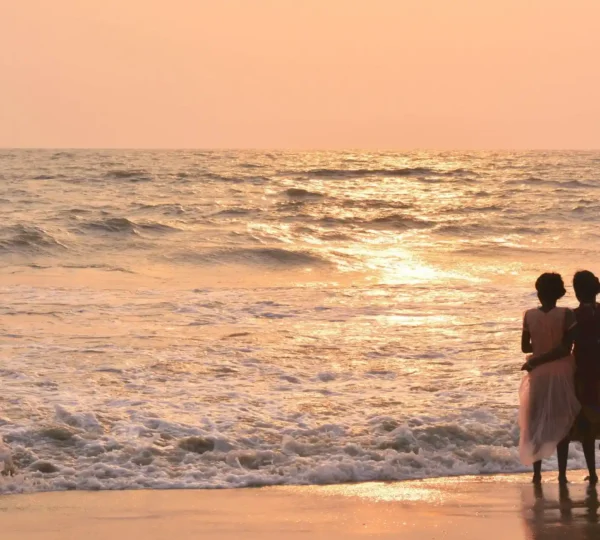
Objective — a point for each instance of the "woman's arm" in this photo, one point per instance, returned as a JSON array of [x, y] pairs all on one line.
[[526, 346]]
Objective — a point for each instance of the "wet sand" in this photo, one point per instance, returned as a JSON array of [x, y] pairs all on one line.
[[495, 507]]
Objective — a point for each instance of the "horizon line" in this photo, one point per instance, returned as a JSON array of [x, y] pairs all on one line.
[[284, 149]]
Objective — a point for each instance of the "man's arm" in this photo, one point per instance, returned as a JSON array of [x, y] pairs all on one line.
[[564, 349]]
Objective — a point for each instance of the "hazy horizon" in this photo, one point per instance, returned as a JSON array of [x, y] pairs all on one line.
[[282, 149], [383, 74]]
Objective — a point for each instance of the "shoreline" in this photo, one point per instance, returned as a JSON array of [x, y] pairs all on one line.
[[492, 506], [549, 476]]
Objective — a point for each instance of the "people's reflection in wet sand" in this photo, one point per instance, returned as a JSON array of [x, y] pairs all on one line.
[[572, 513], [565, 503], [592, 504]]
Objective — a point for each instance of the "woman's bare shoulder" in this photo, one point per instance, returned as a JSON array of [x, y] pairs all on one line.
[[528, 314]]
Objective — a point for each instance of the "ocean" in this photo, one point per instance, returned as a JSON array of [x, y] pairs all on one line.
[[224, 319]]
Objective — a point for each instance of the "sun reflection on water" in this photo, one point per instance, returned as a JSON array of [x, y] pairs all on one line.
[[396, 266], [389, 492]]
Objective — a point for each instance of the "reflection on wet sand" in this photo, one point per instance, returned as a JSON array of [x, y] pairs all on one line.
[[552, 512]]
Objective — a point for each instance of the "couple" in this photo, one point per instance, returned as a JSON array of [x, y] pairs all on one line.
[[560, 395]]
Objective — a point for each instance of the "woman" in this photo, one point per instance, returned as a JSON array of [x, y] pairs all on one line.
[[549, 405], [584, 335]]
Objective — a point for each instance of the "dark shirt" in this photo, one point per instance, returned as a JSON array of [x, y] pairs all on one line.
[[587, 353]]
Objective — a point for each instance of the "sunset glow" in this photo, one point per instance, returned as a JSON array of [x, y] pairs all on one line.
[[331, 249], [312, 74]]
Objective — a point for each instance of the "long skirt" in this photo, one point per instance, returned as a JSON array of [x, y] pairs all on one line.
[[548, 410]]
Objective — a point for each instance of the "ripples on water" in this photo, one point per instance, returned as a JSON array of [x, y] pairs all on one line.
[[226, 319]]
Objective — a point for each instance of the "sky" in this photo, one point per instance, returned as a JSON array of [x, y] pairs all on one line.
[[300, 74]]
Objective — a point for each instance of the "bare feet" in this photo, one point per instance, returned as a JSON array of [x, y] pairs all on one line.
[[592, 479], [562, 479], [537, 478]]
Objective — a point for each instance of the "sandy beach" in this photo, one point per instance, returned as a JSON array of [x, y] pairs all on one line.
[[495, 507]]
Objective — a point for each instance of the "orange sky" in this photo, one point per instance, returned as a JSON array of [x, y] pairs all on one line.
[[394, 74]]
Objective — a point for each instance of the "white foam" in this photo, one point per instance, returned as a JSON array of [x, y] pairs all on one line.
[[109, 402]]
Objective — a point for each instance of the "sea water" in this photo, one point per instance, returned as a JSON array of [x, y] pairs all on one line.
[[198, 319]]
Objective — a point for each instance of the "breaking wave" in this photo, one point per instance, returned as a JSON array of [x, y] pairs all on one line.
[[566, 184], [125, 226], [299, 193], [398, 172], [281, 258], [133, 175], [360, 173], [396, 221], [24, 238]]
